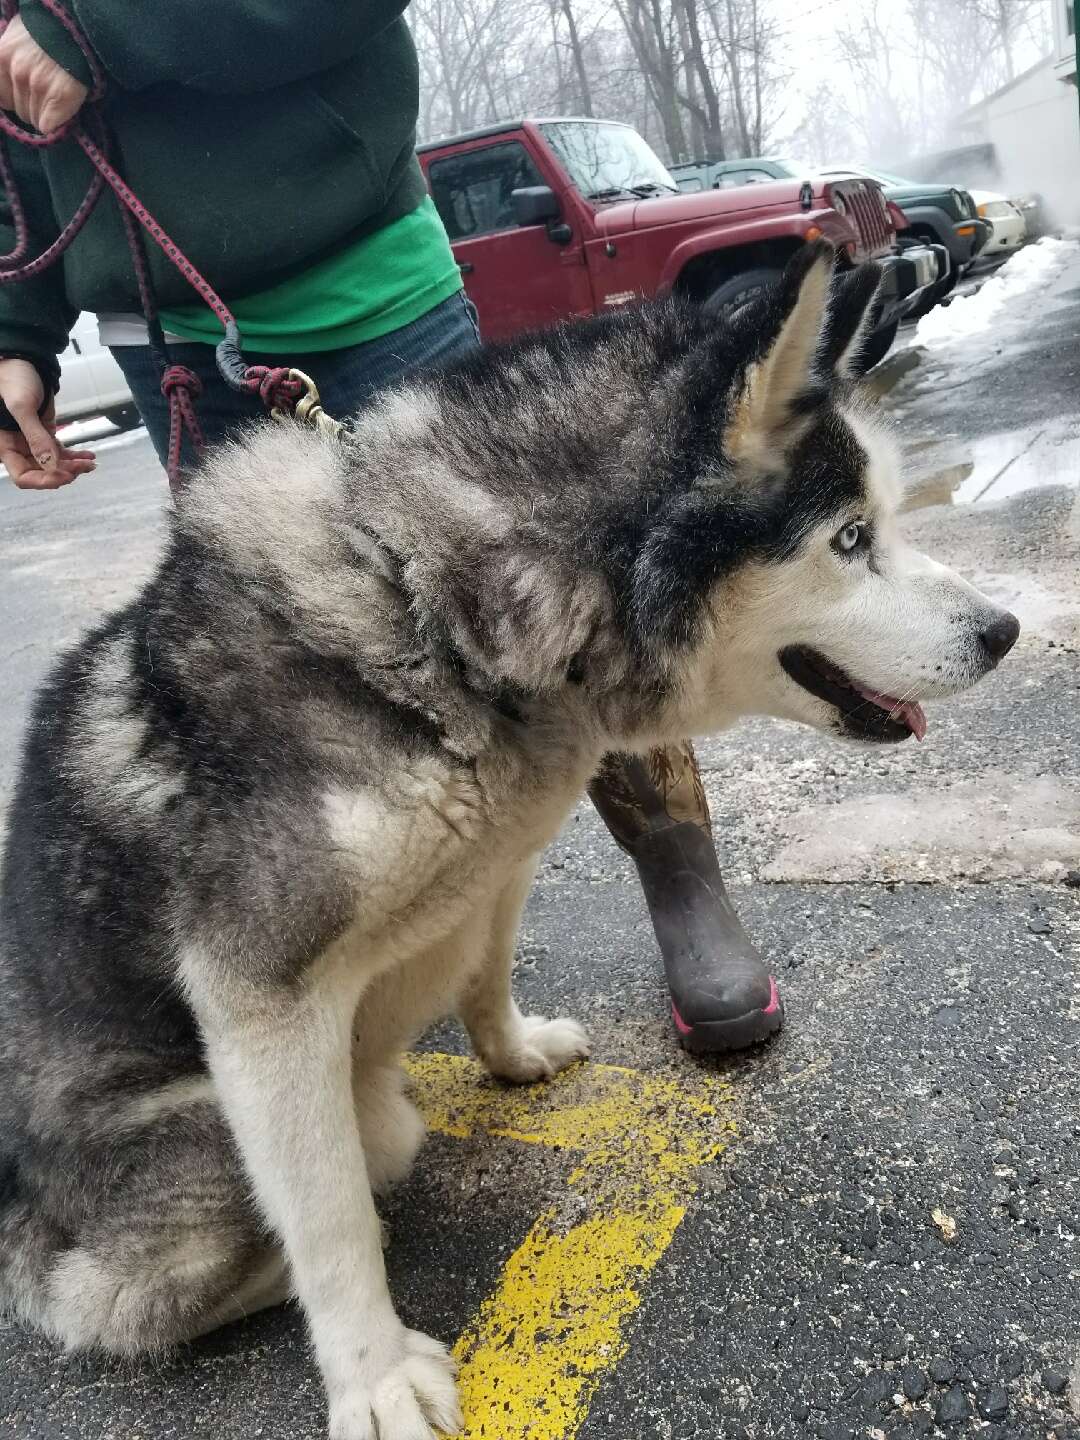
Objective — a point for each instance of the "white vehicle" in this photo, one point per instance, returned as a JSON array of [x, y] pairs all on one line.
[[1010, 227], [91, 382]]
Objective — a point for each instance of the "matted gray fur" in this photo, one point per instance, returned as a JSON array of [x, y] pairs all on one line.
[[283, 811]]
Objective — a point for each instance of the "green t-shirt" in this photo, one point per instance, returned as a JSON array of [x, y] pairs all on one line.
[[384, 281]]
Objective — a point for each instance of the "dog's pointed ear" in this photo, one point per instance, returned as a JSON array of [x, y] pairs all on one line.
[[770, 415], [849, 320]]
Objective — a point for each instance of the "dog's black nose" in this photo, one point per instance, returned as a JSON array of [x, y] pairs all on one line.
[[1000, 635]]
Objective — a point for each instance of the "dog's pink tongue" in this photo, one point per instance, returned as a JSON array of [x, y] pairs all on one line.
[[909, 711]]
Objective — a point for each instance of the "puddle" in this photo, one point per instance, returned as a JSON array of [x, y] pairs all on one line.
[[993, 468], [1006, 464]]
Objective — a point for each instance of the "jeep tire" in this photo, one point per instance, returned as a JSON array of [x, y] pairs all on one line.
[[731, 295]]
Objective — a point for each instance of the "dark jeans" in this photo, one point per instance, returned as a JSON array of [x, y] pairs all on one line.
[[347, 379]]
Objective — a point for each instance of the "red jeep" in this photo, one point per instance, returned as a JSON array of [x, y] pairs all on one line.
[[553, 218]]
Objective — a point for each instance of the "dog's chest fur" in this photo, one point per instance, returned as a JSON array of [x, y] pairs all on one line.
[[425, 848]]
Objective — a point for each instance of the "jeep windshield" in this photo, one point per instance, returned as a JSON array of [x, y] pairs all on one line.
[[608, 162]]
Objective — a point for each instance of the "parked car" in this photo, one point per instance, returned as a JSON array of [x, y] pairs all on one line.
[[978, 167], [941, 214], [695, 175], [1008, 221], [938, 213], [555, 218], [91, 382], [935, 213]]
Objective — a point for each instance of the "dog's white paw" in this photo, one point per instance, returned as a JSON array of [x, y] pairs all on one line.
[[411, 1400], [543, 1048]]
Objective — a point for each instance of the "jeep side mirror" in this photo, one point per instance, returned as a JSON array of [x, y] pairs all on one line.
[[534, 204]]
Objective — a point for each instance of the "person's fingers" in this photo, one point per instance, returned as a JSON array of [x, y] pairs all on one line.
[[33, 85], [38, 104], [29, 473], [37, 480], [20, 94], [29, 476], [18, 465], [58, 107], [12, 440], [48, 419], [7, 57], [45, 448]]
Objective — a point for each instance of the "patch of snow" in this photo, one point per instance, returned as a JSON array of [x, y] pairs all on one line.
[[996, 828], [971, 315], [1040, 610], [120, 441], [78, 432]]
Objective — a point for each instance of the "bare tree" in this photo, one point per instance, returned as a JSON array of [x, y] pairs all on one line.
[[480, 60], [917, 63], [744, 50], [703, 97], [652, 29], [696, 77], [1008, 20], [884, 117], [577, 53], [828, 133]]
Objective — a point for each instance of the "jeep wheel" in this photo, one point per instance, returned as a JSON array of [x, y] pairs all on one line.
[[733, 294], [878, 346]]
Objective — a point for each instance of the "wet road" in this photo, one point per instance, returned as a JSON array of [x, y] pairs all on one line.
[[873, 1228]]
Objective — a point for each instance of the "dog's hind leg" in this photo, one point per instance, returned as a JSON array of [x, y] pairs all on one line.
[[264, 1288], [397, 1007], [391, 1129], [169, 1245], [511, 1045]]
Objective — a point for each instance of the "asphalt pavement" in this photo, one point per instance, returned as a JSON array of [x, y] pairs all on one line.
[[868, 1228]]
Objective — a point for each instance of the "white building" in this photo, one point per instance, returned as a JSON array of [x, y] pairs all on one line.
[[1033, 123], [1065, 41]]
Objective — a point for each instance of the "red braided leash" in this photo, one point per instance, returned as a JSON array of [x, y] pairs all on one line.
[[276, 386]]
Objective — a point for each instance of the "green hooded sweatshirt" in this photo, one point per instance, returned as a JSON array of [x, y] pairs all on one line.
[[264, 135]]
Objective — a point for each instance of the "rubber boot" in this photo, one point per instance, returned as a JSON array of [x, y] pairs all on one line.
[[722, 995]]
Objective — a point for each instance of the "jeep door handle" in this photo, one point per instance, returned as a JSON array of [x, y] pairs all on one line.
[[465, 267]]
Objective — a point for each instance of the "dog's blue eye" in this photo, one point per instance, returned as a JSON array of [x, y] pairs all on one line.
[[852, 537]]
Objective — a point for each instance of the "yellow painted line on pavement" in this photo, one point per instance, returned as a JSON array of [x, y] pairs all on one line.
[[556, 1322]]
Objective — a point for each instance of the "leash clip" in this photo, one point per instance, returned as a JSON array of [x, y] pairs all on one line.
[[308, 409]]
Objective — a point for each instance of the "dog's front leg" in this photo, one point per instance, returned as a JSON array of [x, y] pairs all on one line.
[[282, 1064], [517, 1047]]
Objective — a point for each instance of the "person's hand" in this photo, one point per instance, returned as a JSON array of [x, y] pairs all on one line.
[[40, 91], [33, 456]]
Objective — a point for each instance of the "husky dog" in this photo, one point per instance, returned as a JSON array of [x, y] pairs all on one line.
[[283, 811]]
